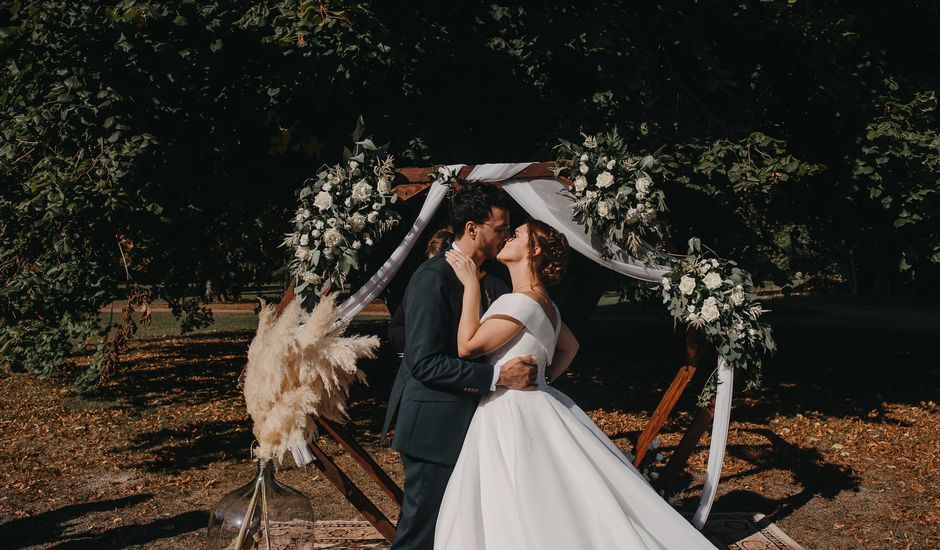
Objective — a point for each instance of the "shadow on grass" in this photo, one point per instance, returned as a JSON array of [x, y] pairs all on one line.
[[625, 364], [809, 470], [51, 526], [139, 534], [175, 450], [186, 370]]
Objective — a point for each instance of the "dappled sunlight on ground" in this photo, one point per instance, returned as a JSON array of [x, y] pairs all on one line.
[[840, 448]]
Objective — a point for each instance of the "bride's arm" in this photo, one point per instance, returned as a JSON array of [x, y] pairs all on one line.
[[565, 350], [473, 338]]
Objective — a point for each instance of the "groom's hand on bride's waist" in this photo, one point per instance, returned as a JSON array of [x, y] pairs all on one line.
[[519, 373]]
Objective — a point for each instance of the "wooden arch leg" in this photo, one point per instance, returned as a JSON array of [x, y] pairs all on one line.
[[680, 457], [661, 414], [353, 494], [364, 459], [670, 398]]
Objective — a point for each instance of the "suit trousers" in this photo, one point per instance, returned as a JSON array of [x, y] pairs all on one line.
[[425, 483]]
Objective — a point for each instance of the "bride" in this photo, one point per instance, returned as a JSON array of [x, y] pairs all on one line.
[[534, 471]]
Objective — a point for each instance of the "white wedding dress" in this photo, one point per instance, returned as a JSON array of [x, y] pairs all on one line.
[[535, 473]]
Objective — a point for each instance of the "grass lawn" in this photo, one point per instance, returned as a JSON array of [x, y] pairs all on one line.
[[840, 447]]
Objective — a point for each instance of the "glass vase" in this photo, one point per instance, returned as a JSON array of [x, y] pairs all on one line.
[[263, 514]]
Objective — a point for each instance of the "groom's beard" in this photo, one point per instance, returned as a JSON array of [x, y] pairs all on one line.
[[498, 248]]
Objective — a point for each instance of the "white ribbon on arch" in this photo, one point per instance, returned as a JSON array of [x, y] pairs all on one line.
[[543, 199]]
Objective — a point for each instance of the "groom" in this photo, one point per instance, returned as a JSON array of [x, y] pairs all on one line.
[[435, 392]]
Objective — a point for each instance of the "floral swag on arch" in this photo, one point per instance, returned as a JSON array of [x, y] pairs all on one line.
[[608, 203]]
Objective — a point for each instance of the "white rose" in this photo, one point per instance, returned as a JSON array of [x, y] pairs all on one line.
[[686, 285], [368, 241], [667, 284], [583, 168], [584, 157], [590, 195], [373, 217], [643, 185], [304, 239], [361, 191], [327, 187], [384, 186], [580, 183], [605, 179], [737, 295], [611, 164], [332, 238], [332, 222], [691, 308], [714, 262], [315, 233], [376, 207], [603, 209], [357, 221], [323, 201], [318, 224], [710, 311], [353, 165], [712, 281]]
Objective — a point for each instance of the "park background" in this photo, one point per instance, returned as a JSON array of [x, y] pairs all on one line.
[[157, 146]]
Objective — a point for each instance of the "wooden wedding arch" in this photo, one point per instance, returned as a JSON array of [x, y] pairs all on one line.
[[576, 305]]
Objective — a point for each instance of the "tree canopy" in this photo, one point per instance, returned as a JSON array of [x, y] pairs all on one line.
[[158, 144]]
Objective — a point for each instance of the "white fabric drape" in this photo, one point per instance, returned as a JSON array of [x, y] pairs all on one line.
[[543, 200], [716, 450], [370, 291]]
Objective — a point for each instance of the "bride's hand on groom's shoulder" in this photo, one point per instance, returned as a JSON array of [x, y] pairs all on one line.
[[463, 266], [519, 373]]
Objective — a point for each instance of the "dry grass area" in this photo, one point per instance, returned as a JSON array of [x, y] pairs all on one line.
[[840, 449]]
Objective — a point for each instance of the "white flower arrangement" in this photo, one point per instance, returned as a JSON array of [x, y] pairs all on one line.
[[341, 214], [614, 194], [713, 296]]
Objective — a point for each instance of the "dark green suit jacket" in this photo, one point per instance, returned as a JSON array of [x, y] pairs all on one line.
[[435, 392]]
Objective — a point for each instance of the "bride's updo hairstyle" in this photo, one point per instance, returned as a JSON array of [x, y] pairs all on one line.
[[549, 266]]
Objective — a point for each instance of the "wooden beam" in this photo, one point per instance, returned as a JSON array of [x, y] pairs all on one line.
[[364, 459], [680, 457], [410, 182], [352, 493], [661, 414], [671, 397], [286, 299]]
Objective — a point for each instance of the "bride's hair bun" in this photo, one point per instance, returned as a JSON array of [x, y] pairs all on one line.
[[549, 266]]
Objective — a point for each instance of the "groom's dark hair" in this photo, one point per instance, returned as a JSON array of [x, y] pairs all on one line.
[[472, 203]]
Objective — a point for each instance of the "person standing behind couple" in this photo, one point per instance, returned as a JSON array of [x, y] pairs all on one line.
[[435, 392]]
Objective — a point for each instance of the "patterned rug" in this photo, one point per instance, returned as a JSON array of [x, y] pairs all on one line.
[[734, 531]]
